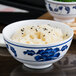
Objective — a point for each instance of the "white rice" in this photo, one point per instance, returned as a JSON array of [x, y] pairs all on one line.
[[42, 34]]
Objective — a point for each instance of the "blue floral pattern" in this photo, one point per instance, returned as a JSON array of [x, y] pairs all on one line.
[[47, 54], [61, 8], [42, 55]]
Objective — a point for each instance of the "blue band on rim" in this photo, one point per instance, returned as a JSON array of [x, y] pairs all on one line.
[[38, 47]]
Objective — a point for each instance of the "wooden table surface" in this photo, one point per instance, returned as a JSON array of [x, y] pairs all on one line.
[[65, 67], [46, 16]]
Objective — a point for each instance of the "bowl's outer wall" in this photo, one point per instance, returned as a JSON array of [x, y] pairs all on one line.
[[59, 10], [19, 53]]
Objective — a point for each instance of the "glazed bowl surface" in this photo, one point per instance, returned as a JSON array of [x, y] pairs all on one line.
[[37, 56], [61, 11]]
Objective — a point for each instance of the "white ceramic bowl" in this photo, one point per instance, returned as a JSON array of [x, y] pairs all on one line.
[[37, 56], [61, 11]]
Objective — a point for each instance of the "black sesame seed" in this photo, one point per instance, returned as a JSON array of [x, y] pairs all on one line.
[[45, 28], [43, 35], [49, 32], [31, 28], [22, 33], [36, 30], [22, 30]]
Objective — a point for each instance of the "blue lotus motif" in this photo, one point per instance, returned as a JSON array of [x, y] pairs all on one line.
[[48, 54], [46, 57], [7, 46], [13, 50], [29, 52], [51, 9], [67, 9], [64, 47]]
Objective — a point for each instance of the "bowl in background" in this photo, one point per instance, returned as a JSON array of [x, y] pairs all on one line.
[[37, 56], [61, 11]]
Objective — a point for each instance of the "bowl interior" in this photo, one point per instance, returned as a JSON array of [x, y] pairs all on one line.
[[9, 30]]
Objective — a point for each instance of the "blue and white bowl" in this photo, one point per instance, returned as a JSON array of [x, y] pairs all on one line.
[[61, 11], [37, 55]]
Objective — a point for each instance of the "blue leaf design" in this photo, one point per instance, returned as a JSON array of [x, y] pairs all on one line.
[[13, 50], [48, 54], [40, 58], [60, 7], [56, 50], [64, 47], [57, 55], [50, 7], [56, 9], [25, 52], [67, 9], [29, 52], [53, 57], [37, 58], [49, 50], [7, 46], [40, 52], [74, 7]]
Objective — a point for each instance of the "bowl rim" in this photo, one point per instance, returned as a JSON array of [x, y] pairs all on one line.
[[57, 2], [8, 40]]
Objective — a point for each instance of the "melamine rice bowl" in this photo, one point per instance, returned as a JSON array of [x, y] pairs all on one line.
[[37, 56]]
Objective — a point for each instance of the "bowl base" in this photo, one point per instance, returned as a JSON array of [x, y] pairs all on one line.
[[37, 67], [64, 20]]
